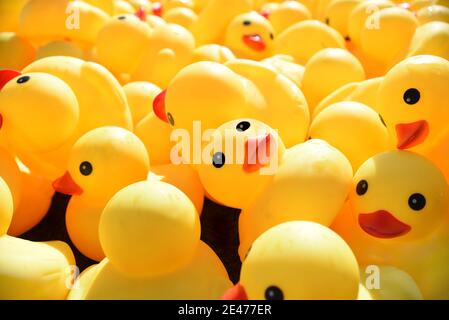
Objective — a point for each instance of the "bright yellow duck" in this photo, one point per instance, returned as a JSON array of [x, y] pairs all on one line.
[[101, 162], [431, 38], [285, 14], [159, 254], [50, 275], [250, 36], [298, 260]]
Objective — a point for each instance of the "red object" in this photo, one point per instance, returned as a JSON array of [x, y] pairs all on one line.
[[265, 14], [157, 9], [255, 42], [237, 292], [141, 14], [159, 106], [382, 224], [66, 185], [411, 134], [254, 148], [6, 76], [1, 121]]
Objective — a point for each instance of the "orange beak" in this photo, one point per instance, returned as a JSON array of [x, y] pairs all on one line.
[[141, 14], [6, 76], [255, 42], [411, 134], [382, 224], [237, 292], [159, 106], [258, 152], [157, 9], [66, 185]]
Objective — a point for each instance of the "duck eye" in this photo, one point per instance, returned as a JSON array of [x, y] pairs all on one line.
[[274, 293], [86, 168], [417, 201], [23, 79], [170, 118], [412, 96], [327, 21], [271, 36], [218, 160], [121, 18], [246, 23], [243, 126], [362, 187]]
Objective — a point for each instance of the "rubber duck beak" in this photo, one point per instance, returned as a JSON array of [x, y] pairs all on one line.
[[237, 292], [411, 134], [255, 42], [258, 152], [159, 106], [157, 9], [265, 14], [6, 76], [382, 224], [141, 14], [66, 185]]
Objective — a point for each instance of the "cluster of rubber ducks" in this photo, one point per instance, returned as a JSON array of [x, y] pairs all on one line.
[[350, 96]]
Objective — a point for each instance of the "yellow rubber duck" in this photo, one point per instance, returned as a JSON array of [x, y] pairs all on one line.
[[215, 18], [160, 255], [286, 14], [433, 13], [412, 108], [87, 92], [336, 15], [431, 38], [244, 154], [353, 128], [385, 39], [213, 53], [10, 14], [169, 49], [398, 217], [75, 20], [250, 36], [16, 52], [364, 92], [48, 278], [101, 162], [184, 17], [140, 96], [31, 194], [298, 260], [328, 70], [285, 65], [21, 108], [313, 36], [129, 36], [300, 190], [246, 89]]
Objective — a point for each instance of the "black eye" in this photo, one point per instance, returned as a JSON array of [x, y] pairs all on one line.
[[243, 126], [417, 201], [23, 79], [348, 38], [170, 119], [218, 160], [274, 293], [412, 96], [362, 187], [86, 168], [327, 21], [121, 18], [271, 36], [382, 120], [246, 23]]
